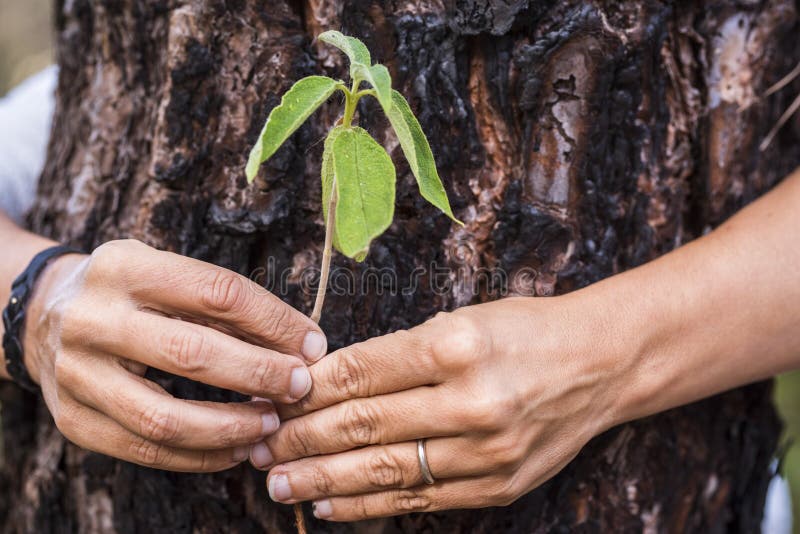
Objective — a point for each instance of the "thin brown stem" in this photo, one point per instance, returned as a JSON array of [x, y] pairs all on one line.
[[783, 120], [300, 519], [783, 82], [326, 256], [325, 269], [320, 300]]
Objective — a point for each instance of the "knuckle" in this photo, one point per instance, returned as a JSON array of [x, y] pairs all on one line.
[[384, 471], [359, 423], [296, 435], [361, 507], [505, 452], [225, 292], [483, 416], [150, 454], [322, 480], [351, 374], [157, 424], [422, 344], [109, 258], [410, 501], [234, 431], [76, 322], [184, 347], [265, 375], [505, 493], [463, 344], [278, 323], [66, 371]]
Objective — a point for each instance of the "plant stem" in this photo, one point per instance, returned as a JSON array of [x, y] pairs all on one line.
[[351, 101], [320, 300], [349, 111], [300, 518], [326, 256]]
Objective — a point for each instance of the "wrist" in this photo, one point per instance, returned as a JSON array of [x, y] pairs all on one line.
[[46, 292], [652, 317], [617, 343]]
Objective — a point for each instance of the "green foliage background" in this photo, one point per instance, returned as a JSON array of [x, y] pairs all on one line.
[[26, 48], [787, 397]]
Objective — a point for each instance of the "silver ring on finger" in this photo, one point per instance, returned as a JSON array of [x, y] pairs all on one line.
[[422, 455]]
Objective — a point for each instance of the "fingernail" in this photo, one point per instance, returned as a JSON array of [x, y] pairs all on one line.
[[261, 399], [240, 454], [260, 456], [322, 509], [269, 423], [279, 489], [300, 383], [314, 346]]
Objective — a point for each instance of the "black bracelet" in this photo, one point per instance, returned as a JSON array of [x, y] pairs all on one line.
[[14, 314]]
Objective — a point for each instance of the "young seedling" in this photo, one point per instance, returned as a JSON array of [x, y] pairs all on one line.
[[358, 176]]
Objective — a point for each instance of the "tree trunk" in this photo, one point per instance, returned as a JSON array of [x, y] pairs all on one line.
[[577, 139]]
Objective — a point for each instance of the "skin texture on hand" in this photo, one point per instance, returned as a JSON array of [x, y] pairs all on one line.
[[507, 393], [96, 323], [462, 380]]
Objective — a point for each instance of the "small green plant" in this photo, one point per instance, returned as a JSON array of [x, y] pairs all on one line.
[[358, 176]]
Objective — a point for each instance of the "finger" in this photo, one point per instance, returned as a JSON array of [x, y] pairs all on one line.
[[500, 488], [446, 495], [395, 362], [371, 469], [185, 286], [155, 416], [96, 432], [354, 423], [205, 355]]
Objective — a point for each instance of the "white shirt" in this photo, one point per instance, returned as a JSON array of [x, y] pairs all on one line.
[[25, 118]]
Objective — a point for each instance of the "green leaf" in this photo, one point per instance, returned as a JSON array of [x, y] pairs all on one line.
[[418, 153], [379, 78], [296, 106], [364, 178], [352, 47]]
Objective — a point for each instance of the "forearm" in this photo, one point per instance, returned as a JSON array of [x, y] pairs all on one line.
[[19, 247], [718, 313]]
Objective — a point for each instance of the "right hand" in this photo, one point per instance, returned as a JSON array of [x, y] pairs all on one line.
[[96, 323]]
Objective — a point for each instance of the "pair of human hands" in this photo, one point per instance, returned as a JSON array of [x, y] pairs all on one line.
[[505, 393]]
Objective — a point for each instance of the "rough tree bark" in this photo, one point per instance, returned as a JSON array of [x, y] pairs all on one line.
[[577, 139]]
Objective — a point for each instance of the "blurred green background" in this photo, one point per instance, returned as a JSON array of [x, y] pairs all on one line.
[[26, 48], [787, 397]]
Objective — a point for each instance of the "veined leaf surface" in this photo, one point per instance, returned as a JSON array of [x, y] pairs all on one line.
[[297, 104], [364, 177], [418, 153]]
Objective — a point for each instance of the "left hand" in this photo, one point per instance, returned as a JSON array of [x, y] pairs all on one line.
[[506, 394]]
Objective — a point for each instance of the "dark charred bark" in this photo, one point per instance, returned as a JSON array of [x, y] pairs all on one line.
[[577, 139]]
